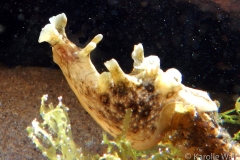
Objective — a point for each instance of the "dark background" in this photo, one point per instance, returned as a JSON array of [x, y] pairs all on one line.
[[200, 39]]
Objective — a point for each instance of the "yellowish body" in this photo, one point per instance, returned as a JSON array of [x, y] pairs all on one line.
[[161, 105]]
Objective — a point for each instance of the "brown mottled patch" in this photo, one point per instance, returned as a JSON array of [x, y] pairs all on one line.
[[141, 103], [153, 129], [141, 100], [120, 89], [102, 114], [135, 130], [169, 95], [90, 107], [145, 113], [119, 106], [104, 99], [134, 107], [149, 88]]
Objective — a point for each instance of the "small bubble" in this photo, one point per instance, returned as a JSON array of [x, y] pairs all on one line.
[[112, 2], [36, 9], [21, 17], [144, 4], [2, 28]]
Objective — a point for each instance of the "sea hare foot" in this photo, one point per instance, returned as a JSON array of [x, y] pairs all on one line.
[[163, 109]]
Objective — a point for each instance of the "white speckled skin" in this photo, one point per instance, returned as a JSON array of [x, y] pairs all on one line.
[[155, 96]]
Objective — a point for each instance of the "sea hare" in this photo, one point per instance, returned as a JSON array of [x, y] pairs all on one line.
[[163, 109]]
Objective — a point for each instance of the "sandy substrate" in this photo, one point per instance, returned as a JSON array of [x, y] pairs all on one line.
[[21, 89]]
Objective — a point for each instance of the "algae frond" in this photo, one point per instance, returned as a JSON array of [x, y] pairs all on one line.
[[54, 136], [232, 115]]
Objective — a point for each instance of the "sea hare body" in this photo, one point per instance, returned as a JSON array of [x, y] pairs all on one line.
[[163, 109]]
